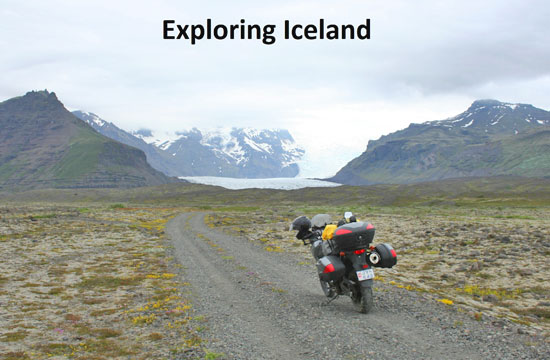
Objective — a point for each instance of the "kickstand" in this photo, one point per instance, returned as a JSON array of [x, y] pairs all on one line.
[[331, 299]]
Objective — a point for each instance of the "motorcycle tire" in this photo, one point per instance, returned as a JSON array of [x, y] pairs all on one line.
[[363, 300], [327, 289]]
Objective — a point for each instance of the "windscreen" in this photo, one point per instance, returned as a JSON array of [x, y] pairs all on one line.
[[320, 220]]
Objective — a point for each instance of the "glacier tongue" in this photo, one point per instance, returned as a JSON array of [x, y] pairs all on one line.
[[274, 183]]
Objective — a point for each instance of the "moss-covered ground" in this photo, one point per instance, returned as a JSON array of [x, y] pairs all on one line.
[[92, 283]]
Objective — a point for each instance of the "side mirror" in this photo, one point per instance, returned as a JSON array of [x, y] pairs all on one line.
[[348, 215]]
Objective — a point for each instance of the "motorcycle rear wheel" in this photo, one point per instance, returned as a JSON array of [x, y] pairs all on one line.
[[364, 300], [327, 289]]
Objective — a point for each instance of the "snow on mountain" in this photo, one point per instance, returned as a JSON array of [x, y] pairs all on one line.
[[492, 116], [230, 152], [92, 119], [161, 140], [226, 142], [238, 152]]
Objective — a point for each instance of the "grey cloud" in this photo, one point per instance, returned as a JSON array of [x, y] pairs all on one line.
[[109, 58]]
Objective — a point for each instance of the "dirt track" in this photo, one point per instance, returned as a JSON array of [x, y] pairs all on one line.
[[264, 305]]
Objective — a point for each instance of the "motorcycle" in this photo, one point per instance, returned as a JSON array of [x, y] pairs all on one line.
[[344, 256]]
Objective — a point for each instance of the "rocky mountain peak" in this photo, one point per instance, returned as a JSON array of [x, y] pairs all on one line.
[[34, 101], [43, 145], [485, 103], [490, 116], [41, 94]]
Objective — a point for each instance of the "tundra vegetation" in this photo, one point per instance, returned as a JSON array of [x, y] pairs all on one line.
[[93, 282], [89, 274]]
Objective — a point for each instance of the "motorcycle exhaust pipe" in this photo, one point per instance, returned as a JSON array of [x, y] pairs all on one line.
[[374, 258]]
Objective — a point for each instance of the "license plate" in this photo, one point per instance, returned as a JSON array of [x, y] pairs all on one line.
[[365, 274]]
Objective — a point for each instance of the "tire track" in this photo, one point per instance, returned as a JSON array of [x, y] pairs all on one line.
[[238, 323]]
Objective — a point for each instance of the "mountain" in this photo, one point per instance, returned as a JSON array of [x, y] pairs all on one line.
[[236, 152], [43, 145], [157, 158], [491, 138], [228, 152]]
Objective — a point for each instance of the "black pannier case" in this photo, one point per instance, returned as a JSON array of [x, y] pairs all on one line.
[[330, 268], [388, 257], [352, 236]]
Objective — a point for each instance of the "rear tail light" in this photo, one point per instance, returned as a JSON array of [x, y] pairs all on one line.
[[359, 252]]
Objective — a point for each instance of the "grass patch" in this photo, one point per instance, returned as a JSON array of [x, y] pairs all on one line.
[[56, 349], [14, 336], [144, 319], [499, 293], [32, 307], [110, 349], [273, 249], [212, 355], [520, 217], [43, 216], [103, 312], [430, 265], [101, 333], [117, 206], [56, 291], [538, 290], [73, 318], [110, 281], [485, 276], [93, 301], [539, 312], [194, 341], [17, 355], [236, 208], [155, 336]]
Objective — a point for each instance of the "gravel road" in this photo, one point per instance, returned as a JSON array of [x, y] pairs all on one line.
[[265, 305]]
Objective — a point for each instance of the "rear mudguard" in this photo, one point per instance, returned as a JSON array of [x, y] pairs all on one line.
[[358, 262], [367, 283]]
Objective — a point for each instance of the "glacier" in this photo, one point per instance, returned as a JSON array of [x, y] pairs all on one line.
[[273, 183]]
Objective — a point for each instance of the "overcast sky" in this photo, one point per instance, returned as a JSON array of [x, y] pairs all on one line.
[[426, 60]]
